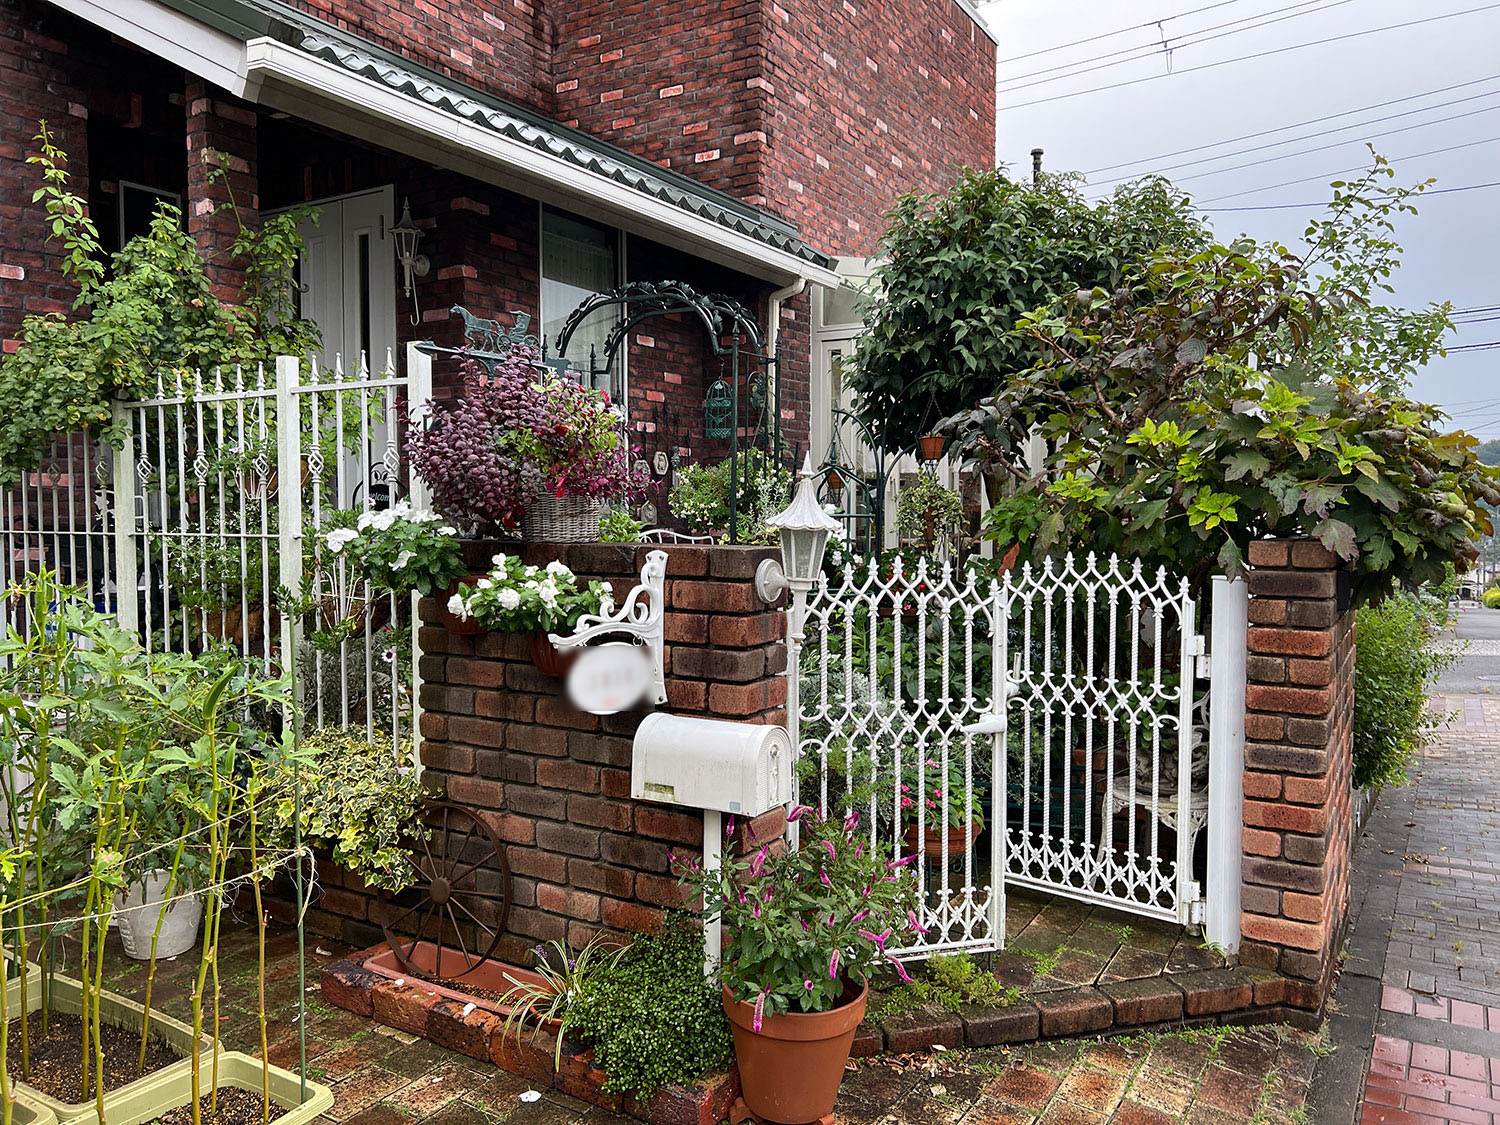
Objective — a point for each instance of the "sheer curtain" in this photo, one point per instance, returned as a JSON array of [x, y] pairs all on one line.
[[579, 259]]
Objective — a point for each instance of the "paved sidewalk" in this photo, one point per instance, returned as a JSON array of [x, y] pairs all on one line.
[[1416, 1022]]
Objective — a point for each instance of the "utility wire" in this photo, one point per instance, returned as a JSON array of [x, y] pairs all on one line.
[[1166, 46], [1256, 55], [1121, 31], [1324, 202], [1357, 168], [1335, 145], [1313, 136], [1152, 160]]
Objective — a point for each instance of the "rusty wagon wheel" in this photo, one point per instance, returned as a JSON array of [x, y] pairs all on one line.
[[460, 856]]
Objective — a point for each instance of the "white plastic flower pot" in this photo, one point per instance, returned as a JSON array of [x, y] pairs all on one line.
[[140, 906]]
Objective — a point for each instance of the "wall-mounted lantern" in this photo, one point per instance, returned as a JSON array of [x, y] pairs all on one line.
[[413, 264]]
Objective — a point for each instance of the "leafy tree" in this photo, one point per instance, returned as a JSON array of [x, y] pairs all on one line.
[[1488, 452], [146, 310], [962, 267]]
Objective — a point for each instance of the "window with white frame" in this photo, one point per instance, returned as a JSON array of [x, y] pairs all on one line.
[[579, 259]]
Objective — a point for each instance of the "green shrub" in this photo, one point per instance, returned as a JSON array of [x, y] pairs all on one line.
[[1490, 599], [1393, 671], [619, 527], [949, 981], [652, 1019]]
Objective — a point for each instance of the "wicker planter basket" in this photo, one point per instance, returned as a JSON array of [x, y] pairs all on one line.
[[562, 519]]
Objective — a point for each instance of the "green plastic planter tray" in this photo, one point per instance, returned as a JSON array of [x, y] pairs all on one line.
[[13, 987], [27, 1112], [67, 997], [235, 1069]]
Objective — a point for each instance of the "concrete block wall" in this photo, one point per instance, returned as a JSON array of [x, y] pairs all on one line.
[[1298, 835]]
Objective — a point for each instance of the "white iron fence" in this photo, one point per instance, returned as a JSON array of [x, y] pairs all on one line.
[[1026, 728], [203, 526]]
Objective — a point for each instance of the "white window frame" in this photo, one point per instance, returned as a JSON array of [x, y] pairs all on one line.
[[622, 271]]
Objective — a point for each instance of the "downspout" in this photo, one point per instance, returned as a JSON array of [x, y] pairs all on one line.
[[773, 344]]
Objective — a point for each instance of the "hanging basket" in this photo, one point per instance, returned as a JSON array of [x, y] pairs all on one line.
[[548, 658], [931, 446], [459, 626], [562, 519]]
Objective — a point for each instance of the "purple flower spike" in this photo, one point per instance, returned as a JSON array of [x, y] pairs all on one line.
[[916, 923], [861, 916], [873, 939], [905, 861], [729, 826], [760, 1010], [823, 877], [799, 812], [805, 926], [830, 921], [827, 846], [900, 968], [833, 966], [759, 861]]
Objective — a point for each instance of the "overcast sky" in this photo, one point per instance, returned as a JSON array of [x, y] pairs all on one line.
[[1452, 246]]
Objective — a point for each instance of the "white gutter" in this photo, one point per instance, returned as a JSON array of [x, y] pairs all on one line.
[[322, 91]]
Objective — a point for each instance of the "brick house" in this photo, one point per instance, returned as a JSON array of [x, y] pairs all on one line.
[[547, 151]]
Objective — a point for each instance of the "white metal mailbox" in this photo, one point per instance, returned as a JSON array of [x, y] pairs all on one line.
[[742, 768]]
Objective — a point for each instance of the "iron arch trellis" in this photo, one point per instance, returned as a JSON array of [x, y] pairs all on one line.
[[860, 497], [732, 333]]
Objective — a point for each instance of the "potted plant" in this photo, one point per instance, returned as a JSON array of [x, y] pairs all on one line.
[[576, 445], [939, 810], [805, 929], [516, 597], [931, 446], [523, 446], [223, 587], [927, 513]]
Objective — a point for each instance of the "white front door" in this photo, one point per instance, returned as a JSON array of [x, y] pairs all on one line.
[[349, 278]]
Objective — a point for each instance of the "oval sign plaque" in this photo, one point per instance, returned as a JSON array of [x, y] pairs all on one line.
[[609, 678]]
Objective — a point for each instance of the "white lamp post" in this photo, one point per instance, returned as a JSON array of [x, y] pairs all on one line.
[[804, 528]]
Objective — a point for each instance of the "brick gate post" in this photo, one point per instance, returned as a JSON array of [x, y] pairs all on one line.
[[1299, 716]]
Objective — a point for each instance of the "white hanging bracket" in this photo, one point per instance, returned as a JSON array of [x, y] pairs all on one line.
[[642, 617]]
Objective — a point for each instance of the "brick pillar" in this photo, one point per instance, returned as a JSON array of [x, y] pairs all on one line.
[[1298, 764], [554, 782], [221, 133]]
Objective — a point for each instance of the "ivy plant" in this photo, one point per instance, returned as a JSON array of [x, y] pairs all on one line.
[[146, 311]]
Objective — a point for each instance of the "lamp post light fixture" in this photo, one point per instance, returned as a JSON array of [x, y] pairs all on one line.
[[407, 237], [804, 528]]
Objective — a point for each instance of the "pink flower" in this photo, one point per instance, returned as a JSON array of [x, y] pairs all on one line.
[[729, 825], [800, 811], [861, 916], [828, 847], [807, 984], [760, 1008], [833, 966], [805, 926], [759, 861], [830, 921], [900, 968], [823, 877], [916, 923]]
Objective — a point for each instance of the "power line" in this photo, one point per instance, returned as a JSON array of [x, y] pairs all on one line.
[[1355, 168], [1324, 133], [1488, 345], [1324, 202], [1297, 125], [1165, 46], [1121, 31], [1257, 55]]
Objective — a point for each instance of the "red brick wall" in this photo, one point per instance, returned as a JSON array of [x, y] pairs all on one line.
[[221, 138], [1299, 718], [34, 68], [870, 99], [503, 46], [555, 782]]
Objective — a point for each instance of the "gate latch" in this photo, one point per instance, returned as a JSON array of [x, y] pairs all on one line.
[[987, 724]]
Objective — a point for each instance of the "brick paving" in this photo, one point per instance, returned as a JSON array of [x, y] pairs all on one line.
[[1429, 946], [381, 1076]]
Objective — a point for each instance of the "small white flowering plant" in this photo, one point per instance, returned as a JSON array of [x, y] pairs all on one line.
[[516, 597], [398, 548]]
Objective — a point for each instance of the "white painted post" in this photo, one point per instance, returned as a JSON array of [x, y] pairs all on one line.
[[127, 574], [418, 402], [713, 845], [289, 501], [796, 622], [1226, 761]]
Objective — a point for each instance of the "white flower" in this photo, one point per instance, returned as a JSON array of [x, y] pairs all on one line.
[[339, 537], [458, 607], [608, 589], [402, 559], [508, 599], [500, 560], [529, 572], [400, 510], [557, 569], [484, 584], [447, 529]]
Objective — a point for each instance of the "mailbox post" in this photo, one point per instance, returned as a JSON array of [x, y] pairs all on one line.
[[718, 767]]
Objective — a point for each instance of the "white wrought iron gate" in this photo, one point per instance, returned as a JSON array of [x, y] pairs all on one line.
[[203, 526], [1020, 728]]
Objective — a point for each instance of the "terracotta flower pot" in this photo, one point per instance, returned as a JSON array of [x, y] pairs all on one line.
[[548, 658], [957, 839], [451, 621], [931, 446], [791, 1068]]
